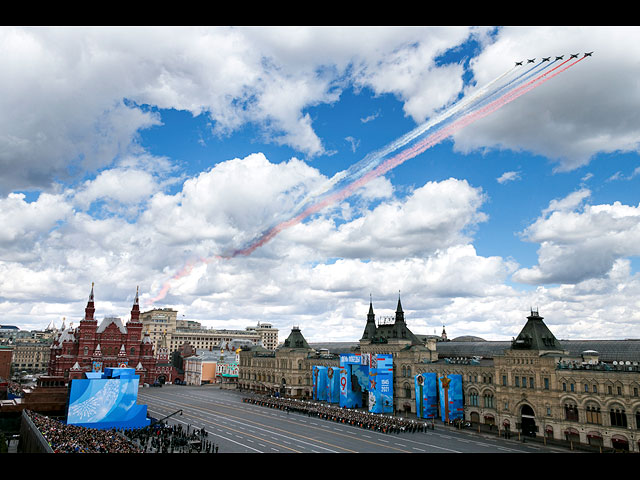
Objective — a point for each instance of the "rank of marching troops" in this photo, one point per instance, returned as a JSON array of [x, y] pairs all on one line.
[[366, 420]]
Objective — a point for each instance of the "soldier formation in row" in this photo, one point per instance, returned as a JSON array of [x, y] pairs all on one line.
[[358, 418]]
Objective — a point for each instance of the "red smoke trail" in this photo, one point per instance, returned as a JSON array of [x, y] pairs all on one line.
[[405, 155], [469, 118], [384, 167]]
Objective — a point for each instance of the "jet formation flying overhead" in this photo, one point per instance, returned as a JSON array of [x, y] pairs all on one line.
[[548, 59]]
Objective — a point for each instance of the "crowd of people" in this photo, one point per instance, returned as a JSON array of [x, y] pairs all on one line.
[[63, 438], [157, 438], [162, 438], [371, 421]]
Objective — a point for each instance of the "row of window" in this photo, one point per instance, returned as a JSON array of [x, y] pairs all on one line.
[[594, 389], [487, 400], [593, 415], [529, 382], [110, 351]]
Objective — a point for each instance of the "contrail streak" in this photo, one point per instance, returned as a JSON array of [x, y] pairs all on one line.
[[468, 110]]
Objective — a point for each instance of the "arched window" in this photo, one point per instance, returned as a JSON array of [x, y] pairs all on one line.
[[488, 400], [594, 415], [407, 390], [473, 398], [570, 412], [618, 417], [408, 371]]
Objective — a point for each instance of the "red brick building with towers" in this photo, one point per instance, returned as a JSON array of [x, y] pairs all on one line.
[[92, 347]]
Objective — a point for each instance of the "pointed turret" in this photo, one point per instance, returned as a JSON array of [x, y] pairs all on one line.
[[399, 311], [370, 328], [134, 325], [90, 309], [371, 317], [163, 350], [135, 310]]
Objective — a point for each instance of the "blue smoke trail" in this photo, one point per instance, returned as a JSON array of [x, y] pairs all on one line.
[[483, 102]]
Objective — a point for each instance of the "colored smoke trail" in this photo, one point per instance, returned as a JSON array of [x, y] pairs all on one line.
[[452, 120]]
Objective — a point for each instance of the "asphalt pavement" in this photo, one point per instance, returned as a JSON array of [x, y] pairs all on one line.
[[239, 427]]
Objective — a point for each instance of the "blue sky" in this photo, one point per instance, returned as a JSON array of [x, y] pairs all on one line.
[[128, 154]]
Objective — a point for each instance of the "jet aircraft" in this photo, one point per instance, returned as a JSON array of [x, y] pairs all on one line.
[[574, 55], [546, 59], [531, 60], [560, 57], [588, 54], [518, 63]]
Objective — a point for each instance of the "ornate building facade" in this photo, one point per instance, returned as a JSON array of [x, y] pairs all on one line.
[[581, 392], [112, 343], [286, 371]]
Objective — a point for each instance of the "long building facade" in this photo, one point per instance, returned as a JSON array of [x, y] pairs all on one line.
[[163, 325], [582, 392]]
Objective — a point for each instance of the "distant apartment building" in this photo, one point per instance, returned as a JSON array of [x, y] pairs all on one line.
[[31, 356], [30, 349], [164, 322], [268, 335]]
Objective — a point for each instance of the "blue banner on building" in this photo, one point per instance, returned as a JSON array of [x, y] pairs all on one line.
[[107, 400], [354, 380], [380, 383], [450, 390], [333, 385], [426, 385], [367, 380], [319, 379]]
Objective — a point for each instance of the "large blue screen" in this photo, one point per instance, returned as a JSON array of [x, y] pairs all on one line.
[[368, 375], [105, 403], [354, 380]]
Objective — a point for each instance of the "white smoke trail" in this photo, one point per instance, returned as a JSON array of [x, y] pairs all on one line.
[[468, 110], [372, 160]]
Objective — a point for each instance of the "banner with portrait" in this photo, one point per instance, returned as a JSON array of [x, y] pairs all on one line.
[[380, 383], [333, 385], [319, 382], [426, 389]]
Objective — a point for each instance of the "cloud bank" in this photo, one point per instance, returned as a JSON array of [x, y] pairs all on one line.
[[82, 200]]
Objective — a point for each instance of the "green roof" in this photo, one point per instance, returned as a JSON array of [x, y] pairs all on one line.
[[535, 335], [296, 340]]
